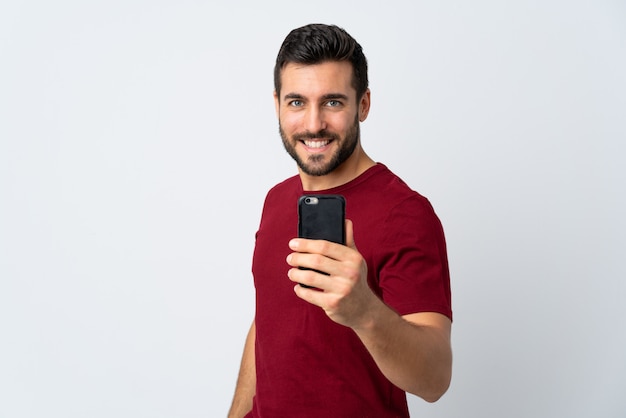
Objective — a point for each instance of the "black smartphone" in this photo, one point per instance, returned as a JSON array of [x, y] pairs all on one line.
[[322, 217]]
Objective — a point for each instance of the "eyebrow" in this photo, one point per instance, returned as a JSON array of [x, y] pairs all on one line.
[[329, 96], [293, 96]]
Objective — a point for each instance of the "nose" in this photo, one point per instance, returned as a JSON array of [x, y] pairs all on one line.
[[314, 120]]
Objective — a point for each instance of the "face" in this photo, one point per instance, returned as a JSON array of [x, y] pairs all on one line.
[[319, 115]]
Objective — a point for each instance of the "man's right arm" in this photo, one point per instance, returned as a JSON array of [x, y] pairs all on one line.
[[246, 382]]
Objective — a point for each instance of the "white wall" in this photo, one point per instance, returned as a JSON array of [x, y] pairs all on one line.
[[138, 139]]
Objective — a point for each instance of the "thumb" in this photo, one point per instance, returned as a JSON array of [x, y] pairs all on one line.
[[350, 234]]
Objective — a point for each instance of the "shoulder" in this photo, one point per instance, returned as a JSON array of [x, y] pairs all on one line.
[[392, 190], [283, 192], [287, 186], [404, 207]]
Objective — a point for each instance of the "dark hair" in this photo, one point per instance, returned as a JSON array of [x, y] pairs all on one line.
[[317, 43]]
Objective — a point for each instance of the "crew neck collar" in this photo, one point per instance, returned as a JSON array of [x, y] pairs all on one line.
[[352, 183]]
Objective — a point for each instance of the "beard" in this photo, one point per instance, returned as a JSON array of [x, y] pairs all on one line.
[[314, 165]]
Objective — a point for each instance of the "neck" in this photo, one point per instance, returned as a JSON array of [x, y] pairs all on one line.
[[357, 164]]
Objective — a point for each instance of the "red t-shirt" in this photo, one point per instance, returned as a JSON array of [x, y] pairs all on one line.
[[306, 364]]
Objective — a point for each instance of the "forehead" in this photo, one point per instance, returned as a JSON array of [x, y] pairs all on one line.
[[317, 79]]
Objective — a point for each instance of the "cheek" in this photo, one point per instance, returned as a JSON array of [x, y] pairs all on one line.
[[289, 122], [340, 123]]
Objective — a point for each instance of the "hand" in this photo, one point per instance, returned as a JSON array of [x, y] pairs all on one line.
[[343, 292]]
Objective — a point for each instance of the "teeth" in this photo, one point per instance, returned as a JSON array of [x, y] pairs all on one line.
[[316, 144]]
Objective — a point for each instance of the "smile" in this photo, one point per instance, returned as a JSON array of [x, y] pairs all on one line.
[[316, 144]]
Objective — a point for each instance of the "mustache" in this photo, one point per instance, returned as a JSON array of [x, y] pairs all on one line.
[[323, 134]]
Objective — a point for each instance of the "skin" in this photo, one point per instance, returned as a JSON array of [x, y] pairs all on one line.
[[246, 381], [318, 98], [412, 351]]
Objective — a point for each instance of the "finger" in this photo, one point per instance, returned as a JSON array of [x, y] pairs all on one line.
[[311, 295], [309, 278], [350, 234], [320, 247], [309, 261]]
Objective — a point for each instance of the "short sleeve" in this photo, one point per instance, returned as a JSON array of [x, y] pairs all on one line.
[[413, 275]]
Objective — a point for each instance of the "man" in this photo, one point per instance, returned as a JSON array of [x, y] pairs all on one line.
[[378, 324]]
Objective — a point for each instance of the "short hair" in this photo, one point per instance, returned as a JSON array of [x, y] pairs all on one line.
[[318, 43]]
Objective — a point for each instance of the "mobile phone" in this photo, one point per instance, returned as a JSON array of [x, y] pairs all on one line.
[[322, 217]]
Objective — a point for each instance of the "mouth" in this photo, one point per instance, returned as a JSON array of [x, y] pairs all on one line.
[[316, 144]]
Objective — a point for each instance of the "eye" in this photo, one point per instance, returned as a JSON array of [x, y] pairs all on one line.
[[333, 103], [296, 103]]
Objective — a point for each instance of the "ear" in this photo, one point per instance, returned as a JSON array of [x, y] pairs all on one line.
[[364, 105], [277, 104]]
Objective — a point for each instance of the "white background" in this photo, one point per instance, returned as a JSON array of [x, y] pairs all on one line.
[[138, 140]]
